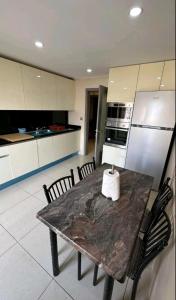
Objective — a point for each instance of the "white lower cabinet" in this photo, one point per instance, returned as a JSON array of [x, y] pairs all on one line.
[[5, 165], [66, 144], [45, 151], [21, 158], [24, 158], [114, 156]]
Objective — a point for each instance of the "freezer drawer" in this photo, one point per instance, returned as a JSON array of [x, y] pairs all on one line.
[[154, 109], [147, 151]]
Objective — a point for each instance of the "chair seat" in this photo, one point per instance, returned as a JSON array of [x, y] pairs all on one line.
[[136, 259]]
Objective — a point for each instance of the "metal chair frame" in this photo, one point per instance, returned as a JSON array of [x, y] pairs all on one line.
[[86, 169]]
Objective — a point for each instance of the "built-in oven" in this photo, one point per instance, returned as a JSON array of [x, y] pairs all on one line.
[[119, 112], [117, 136]]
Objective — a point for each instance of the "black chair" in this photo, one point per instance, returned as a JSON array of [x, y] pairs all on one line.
[[154, 241], [164, 196], [59, 187], [86, 169], [53, 192]]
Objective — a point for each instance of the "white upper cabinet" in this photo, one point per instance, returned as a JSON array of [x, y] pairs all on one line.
[[150, 76], [48, 91], [11, 89], [65, 93], [168, 78], [122, 83], [32, 88]]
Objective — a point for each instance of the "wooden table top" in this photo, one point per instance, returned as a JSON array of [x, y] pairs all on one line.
[[103, 230]]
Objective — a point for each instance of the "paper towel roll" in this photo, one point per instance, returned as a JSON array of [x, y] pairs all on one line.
[[111, 184]]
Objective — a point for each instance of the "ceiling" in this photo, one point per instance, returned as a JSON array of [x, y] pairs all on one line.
[[86, 33]]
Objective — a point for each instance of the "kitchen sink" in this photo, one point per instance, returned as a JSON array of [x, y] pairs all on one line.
[[43, 132]]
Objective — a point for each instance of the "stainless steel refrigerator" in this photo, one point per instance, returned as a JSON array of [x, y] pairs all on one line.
[[151, 132]]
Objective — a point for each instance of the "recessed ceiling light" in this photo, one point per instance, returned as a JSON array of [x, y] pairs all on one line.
[[39, 44], [111, 81], [158, 78], [135, 11], [162, 85], [38, 76], [89, 70]]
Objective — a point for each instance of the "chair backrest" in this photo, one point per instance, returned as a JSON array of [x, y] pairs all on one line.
[[86, 169], [59, 187], [157, 236], [164, 196]]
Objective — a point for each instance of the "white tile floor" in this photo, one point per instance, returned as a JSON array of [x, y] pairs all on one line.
[[25, 259]]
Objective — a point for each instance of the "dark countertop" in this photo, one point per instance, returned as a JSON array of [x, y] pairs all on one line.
[[71, 128], [103, 230]]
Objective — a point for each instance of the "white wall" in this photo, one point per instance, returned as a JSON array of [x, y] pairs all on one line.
[[79, 113]]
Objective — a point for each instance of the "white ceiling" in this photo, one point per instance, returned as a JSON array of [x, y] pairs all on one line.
[[86, 33]]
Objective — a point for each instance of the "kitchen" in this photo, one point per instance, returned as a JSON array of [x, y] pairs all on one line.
[[43, 134]]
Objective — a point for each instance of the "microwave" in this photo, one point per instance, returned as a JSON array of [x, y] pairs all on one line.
[[118, 112]]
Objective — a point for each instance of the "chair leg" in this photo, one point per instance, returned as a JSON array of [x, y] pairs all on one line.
[[54, 252], [134, 288], [79, 266], [108, 288], [95, 275]]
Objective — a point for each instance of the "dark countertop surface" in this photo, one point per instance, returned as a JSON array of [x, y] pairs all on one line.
[[96, 226], [71, 128]]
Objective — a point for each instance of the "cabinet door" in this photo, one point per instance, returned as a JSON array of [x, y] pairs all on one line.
[[66, 144], [24, 157], [114, 156], [65, 93], [168, 78], [48, 91], [45, 151], [122, 83], [150, 76], [32, 88], [11, 89], [5, 165]]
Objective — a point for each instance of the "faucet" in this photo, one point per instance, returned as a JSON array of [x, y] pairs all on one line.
[[37, 130]]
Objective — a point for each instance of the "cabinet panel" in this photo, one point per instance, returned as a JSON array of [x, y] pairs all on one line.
[[168, 78], [11, 89], [32, 88], [150, 76], [45, 151], [24, 157], [122, 83], [66, 144], [5, 165], [65, 93], [114, 156], [48, 91]]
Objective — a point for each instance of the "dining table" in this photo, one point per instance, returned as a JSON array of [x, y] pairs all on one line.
[[102, 229]]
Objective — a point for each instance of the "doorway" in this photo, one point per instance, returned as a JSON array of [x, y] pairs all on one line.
[[91, 120]]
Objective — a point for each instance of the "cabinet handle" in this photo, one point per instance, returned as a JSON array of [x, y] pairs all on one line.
[[6, 155]]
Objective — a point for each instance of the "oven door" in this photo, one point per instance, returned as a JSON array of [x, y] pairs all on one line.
[[116, 137]]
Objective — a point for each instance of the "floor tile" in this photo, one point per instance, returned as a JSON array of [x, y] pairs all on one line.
[[84, 289], [41, 196], [20, 276], [6, 240], [20, 219], [37, 243], [10, 197], [54, 292], [34, 183]]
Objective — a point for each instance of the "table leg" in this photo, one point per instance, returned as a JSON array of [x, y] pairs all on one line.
[[95, 275], [108, 287], [54, 252], [79, 265]]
